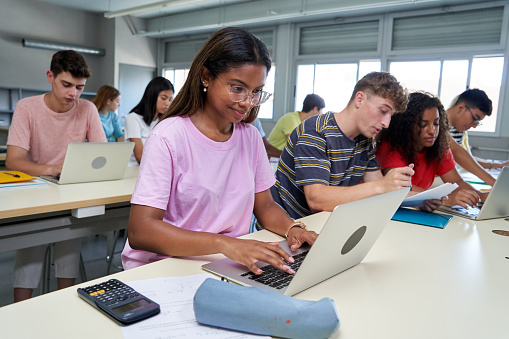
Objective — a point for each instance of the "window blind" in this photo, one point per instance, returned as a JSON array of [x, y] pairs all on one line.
[[339, 38], [186, 50], [182, 51], [467, 28]]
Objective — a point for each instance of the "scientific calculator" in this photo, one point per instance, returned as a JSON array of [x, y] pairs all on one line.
[[119, 301]]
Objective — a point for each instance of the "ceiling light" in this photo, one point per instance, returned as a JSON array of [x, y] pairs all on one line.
[[55, 46]]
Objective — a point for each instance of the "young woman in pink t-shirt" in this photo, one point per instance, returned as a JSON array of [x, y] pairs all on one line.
[[204, 169], [419, 136]]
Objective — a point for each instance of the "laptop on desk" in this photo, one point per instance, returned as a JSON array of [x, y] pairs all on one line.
[[495, 206], [345, 239], [93, 161]]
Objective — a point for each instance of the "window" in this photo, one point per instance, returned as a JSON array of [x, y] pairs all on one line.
[[333, 82], [267, 109], [417, 75], [176, 76], [449, 78]]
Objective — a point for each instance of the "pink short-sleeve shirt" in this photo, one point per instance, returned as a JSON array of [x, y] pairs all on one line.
[[201, 184], [45, 134]]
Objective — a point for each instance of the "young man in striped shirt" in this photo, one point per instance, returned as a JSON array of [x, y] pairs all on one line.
[[330, 159]]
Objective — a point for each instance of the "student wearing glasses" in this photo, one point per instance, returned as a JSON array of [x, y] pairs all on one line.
[[204, 169], [468, 111]]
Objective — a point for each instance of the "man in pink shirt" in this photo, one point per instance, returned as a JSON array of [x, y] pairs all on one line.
[[42, 127]]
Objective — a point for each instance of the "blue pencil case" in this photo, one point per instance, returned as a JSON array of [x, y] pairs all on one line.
[[259, 311]]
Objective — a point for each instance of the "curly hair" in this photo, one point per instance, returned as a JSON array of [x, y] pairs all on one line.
[[400, 133]]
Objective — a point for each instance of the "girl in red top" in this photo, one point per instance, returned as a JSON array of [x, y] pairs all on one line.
[[419, 136]]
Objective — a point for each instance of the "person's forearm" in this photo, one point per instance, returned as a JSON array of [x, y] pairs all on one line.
[[28, 167], [465, 160], [273, 218], [159, 237], [273, 151], [326, 198]]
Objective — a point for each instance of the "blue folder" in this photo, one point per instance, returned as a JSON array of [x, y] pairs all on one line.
[[422, 218]]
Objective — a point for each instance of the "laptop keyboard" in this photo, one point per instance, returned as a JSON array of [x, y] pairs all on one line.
[[274, 277], [473, 211]]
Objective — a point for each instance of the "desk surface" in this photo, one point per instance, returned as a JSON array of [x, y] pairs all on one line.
[[417, 282], [31, 200]]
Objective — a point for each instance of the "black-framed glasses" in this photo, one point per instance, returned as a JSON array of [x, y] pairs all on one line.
[[239, 93], [475, 120]]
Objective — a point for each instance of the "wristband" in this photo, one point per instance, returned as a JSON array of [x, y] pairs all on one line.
[[298, 224]]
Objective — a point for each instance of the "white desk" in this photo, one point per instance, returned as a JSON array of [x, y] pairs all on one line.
[[417, 282], [36, 215]]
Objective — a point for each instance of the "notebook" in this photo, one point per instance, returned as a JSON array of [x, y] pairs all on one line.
[[345, 239], [495, 206], [93, 161], [414, 216]]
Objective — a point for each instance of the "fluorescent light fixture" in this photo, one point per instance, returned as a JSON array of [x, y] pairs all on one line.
[[55, 46]]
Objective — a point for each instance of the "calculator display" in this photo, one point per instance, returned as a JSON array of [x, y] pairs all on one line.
[[130, 306]]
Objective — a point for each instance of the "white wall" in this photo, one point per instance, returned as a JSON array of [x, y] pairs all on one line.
[[30, 19], [132, 50]]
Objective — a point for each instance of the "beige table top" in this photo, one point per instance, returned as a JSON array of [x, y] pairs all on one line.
[[31, 200], [417, 282]]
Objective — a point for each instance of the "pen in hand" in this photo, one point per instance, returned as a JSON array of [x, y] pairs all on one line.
[[409, 175], [14, 175]]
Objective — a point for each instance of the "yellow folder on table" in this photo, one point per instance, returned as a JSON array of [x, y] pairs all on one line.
[[13, 176]]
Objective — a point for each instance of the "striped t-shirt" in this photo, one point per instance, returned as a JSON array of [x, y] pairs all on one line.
[[317, 152], [456, 135]]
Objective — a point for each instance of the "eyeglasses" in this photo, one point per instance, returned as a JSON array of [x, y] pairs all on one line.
[[239, 93], [475, 121]]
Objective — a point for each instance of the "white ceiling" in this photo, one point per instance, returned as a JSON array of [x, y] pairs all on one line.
[[181, 17], [160, 8]]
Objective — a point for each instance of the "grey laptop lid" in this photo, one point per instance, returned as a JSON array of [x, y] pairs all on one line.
[[345, 239], [496, 204], [94, 161]]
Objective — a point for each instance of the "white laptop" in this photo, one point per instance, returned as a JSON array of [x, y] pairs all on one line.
[[93, 161], [346, 238], [495, 206]]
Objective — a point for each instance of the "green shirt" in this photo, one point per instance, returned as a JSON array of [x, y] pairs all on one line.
[[284, 127]]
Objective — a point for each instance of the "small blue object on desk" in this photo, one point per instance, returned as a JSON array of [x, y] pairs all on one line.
[[259, 311], [422, 218]]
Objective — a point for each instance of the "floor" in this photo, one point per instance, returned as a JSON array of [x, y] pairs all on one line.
[[93, 250]]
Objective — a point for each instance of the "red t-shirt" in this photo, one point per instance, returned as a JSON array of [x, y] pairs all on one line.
[[424, 172]]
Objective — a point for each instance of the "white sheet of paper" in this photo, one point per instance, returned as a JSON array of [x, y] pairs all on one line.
[[176, 320], [433, 193]]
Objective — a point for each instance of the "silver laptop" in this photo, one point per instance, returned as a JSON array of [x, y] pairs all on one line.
[[93, 161], [495, 206], [345, 239]]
